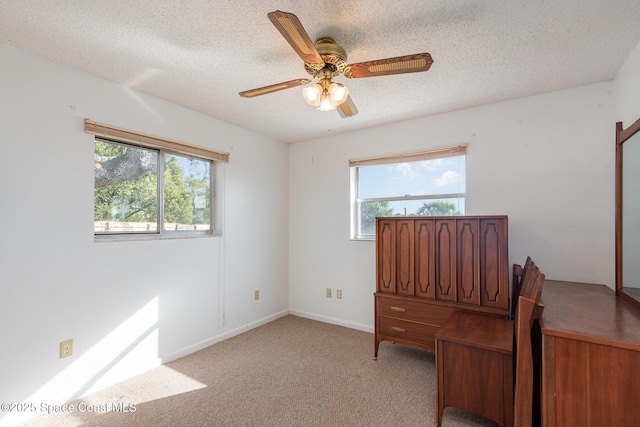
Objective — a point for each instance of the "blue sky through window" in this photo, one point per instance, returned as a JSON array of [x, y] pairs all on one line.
[[427, 177]]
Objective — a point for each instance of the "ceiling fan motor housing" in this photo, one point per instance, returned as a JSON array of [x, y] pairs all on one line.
[[333, 55]]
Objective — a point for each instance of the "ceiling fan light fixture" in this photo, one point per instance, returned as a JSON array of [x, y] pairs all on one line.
[[325, 103], [325, 95], [313, 94], [337, 93]]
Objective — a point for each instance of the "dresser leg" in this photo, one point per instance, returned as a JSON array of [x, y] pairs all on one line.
[[439, 384]]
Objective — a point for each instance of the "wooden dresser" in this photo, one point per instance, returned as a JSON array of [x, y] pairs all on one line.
[[591, 357], [429, 267]]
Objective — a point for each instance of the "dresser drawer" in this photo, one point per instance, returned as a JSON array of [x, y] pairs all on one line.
[[407, 330], [422, 312]]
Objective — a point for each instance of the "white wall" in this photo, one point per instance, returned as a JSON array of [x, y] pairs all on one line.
[[127, 305], [627, 89], [545, 161]]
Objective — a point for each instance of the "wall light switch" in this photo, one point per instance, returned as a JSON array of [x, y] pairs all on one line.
[[328, 292]]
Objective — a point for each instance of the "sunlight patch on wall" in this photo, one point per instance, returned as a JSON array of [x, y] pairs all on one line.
[[130, 348], [136, 96]]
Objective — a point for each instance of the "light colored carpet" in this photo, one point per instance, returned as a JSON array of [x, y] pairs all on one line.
[[290, 372]]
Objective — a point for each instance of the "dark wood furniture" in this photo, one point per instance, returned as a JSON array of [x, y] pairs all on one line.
[[429, 267], [474, 356], [591, 357], [628, 212], [475, 359], [516, 284], [528, 310]]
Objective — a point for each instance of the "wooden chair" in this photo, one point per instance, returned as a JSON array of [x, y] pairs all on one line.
[[475, 356], [528, 311], [519, 273]]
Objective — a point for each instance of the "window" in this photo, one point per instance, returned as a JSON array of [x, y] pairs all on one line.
[[423, 183], [149, 188]]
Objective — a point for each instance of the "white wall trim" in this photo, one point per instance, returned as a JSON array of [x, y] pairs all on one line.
[[223, 336], [332, 320]]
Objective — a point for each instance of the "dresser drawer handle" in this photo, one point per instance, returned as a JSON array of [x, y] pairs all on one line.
[[396, 329], [398, 309]]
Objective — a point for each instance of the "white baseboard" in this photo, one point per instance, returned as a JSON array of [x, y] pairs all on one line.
[[223, 336], [334, 321]]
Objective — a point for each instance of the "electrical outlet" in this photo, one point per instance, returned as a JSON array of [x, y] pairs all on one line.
[[66, 348], [256, 295], [328, 292], [339, 293]]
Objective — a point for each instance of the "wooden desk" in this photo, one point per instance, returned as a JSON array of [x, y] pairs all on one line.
[[591, 357], [479, 352]]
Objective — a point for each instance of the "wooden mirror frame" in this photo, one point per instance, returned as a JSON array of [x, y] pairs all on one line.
[[622, 135]]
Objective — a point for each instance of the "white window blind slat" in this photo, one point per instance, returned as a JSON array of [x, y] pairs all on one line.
[[437, 153], [125, 135]]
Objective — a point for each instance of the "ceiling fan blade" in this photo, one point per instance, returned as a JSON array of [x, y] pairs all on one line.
[[273, 88], [399, 65], [292, 30], [347, 108]]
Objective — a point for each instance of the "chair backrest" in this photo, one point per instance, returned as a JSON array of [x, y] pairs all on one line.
[[530, 285], [519, 275], [529, 308]]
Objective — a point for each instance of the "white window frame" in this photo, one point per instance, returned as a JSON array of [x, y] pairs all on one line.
[[356, 201]]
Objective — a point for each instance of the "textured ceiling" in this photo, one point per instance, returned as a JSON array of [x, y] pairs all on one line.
[[201, 53]]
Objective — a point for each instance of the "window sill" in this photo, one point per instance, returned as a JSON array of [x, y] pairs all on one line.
[[363, 238], [103, 238]]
